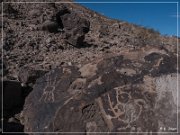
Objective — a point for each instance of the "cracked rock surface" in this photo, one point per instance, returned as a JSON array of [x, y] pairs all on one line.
[[115, 94], [71, 69]]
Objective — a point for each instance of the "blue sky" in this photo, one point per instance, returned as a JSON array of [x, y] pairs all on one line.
[[160, 16]]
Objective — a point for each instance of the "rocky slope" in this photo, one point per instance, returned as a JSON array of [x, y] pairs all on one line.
[[103, 75]]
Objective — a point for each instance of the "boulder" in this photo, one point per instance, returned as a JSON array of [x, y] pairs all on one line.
[[50, 26], [115, 94], [29, 75], [64, 10], [74, 26]]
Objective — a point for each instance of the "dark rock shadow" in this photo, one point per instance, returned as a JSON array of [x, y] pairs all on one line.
[[12, 127], [13, 101], [85, 45]]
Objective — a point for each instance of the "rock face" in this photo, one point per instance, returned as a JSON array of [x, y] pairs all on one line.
[[88, 73], [119, 93], [29, 76]]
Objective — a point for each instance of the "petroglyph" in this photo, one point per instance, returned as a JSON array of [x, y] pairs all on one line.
[[104, 102], [76, 89], [48, 92], [123, 107], [89, 111]]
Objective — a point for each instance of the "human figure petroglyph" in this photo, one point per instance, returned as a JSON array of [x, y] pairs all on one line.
[[48, 92]]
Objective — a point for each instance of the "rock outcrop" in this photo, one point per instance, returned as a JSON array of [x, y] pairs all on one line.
[[28, 76], [85, 72], [116, 94], [74, 26]]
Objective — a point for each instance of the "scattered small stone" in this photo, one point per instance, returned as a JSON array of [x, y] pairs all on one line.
[[34, 13], [50, 26]]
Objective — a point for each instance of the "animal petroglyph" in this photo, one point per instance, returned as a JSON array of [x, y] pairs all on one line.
[[120, 106]]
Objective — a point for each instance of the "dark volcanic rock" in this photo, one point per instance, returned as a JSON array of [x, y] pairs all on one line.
[[74, 25], [28, 75], [50, 26], [116, 76], [110, 95], [64, 10]]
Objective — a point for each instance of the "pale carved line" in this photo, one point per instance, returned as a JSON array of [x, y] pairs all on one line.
[[117, 114], [104, 115], [120, 113], [56, 114], [48, 95]]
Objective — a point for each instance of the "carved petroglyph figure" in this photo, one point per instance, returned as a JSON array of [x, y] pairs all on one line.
[[123, 107], [48, 92], [88, 111]]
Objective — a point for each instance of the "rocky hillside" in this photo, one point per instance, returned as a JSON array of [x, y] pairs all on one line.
[[79, 71]]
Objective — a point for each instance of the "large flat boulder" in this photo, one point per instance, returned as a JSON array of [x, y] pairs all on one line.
[[115, 94]]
